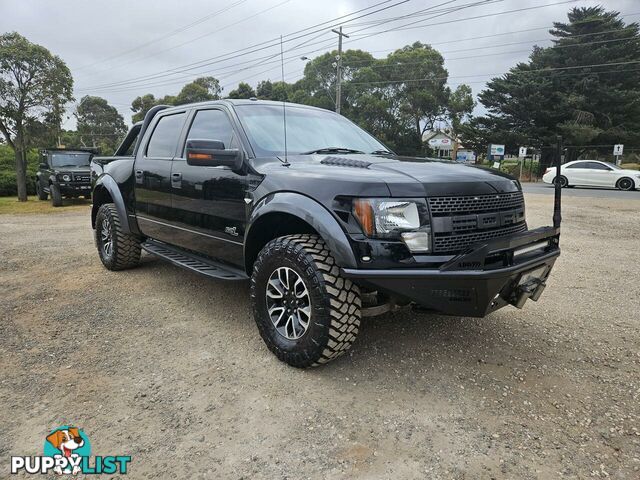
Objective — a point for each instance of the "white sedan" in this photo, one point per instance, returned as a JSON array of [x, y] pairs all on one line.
[[593, 173]]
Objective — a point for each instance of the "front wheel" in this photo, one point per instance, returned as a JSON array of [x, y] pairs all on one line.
[[118, 250], [42, 195], [56, 196], [625, 184], [306, 313]]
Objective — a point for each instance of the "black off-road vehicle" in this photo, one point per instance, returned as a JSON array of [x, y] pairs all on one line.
[[326, 223], [63, 174]]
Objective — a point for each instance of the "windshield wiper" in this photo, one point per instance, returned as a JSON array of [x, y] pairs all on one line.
[[332, 150], [380, 152]]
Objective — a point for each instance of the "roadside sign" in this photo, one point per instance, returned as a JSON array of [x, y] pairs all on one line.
[[618, 148], [496, 165], [497, 149], [522, 152]]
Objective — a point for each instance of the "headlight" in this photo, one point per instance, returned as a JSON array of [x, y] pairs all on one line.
[[66, 178], [395, 218]]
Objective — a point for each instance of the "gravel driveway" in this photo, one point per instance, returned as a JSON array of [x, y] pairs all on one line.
[[167, 366]]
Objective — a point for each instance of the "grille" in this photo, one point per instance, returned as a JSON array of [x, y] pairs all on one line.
[[444, 206], [453, 243]]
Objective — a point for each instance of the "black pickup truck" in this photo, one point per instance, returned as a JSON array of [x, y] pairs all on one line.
[[326, 223]]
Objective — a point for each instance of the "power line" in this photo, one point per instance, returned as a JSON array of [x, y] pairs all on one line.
[[163, 83], [518, 72], [162, 37], [256, 47], [225, 27]]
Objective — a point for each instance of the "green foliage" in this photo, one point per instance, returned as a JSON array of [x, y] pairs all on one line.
[[589, 107], [200, 90], [244, 90], [34, 87], [8, 185]]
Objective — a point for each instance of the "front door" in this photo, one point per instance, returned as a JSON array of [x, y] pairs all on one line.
[[208, 202], [152, 171]]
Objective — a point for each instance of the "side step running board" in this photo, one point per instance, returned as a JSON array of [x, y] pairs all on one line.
[[193, 262]]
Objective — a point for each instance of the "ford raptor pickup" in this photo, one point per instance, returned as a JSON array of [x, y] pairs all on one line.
[[326, 223]]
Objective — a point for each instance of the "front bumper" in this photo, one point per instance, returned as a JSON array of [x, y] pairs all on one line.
[[71, 188], [477, 282]]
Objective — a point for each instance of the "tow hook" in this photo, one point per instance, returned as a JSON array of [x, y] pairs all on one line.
[[532, 289]]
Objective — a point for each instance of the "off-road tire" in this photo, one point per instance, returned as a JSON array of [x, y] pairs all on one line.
[[564, 181], [335, 301], [42, 195], [625, 183], [56, 196], [125, 247]]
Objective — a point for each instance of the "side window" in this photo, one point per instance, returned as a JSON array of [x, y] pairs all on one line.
[[213, 125], [164, 138], [578, 165], [597, 166]]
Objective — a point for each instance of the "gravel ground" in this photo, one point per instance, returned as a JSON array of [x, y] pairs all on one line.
[[166, 366]]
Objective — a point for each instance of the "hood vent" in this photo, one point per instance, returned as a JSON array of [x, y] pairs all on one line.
[[345, 162]]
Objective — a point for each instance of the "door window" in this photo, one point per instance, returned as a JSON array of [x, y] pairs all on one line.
[[578, 165], [213, 125], [164, 138], [597, 166]]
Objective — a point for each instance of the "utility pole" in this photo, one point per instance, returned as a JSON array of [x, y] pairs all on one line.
[[339, 67]]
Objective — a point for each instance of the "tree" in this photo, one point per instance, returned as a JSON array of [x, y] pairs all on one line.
[[244, 90], [34, 87], [100, 122], [200, 90], [554, 93]]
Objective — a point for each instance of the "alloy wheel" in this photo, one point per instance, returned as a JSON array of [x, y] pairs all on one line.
[[106, 238], [288, 303]]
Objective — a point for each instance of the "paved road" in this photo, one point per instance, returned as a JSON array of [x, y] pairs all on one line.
[[543, 188]]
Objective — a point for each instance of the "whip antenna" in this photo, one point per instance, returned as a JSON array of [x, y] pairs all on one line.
[[284, 105]]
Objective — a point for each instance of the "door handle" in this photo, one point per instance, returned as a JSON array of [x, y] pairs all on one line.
[[139, 176], [176, 180]]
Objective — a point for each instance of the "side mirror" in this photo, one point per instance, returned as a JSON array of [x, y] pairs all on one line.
[[44, 166], [211, 153]]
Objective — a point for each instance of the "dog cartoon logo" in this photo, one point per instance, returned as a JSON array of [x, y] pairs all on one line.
[[70, 443]]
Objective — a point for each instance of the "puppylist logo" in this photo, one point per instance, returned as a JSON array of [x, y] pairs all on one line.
[[67, 450]]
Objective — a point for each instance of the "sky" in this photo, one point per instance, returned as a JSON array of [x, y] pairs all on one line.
[[120, 49]]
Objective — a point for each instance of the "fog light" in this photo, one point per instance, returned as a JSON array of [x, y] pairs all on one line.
[[416, 241]]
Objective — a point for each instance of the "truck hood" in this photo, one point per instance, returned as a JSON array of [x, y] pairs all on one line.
[[403, 176]]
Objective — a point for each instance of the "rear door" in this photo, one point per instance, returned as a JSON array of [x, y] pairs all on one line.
[[152, 171], [208, 202]]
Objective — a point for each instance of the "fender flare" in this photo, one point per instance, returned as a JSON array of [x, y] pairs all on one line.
[[110, 185], [311, 212]]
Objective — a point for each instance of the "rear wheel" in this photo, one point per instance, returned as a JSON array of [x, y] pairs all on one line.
[[562, 180], [625, 183], [42, 195], [56, 196], [118, 250], [306, 313]]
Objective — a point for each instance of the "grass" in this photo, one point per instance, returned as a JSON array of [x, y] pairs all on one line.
[[11, 205], [631, 166]]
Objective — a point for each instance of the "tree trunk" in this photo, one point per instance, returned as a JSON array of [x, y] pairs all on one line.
[[21, 174]]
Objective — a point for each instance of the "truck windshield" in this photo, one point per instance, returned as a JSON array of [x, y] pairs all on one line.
[[308, 130], [80, 159]]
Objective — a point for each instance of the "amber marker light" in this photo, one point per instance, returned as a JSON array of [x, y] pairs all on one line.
[[363, 211]]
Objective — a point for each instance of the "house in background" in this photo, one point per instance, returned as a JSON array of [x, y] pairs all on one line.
[[442, 143]]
